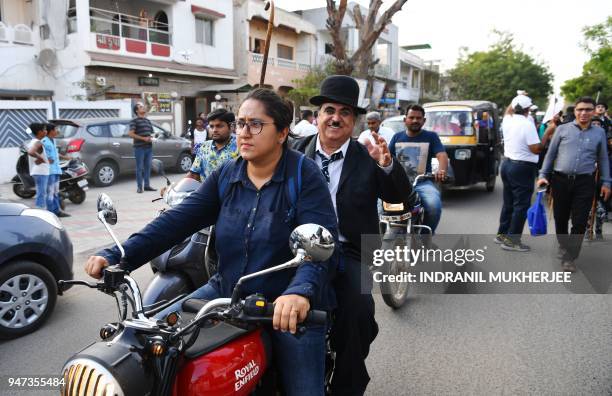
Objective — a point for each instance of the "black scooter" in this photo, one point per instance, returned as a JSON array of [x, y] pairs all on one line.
[[187, 265], [73, 182]]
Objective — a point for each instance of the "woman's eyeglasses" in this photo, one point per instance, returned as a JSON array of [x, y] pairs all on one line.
[[254, 126]]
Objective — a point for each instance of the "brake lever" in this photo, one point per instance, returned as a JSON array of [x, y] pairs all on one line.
[[62, 283]]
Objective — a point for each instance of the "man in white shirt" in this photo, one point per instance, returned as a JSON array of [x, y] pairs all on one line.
[[518, 172], [373, 119], [305, 127]]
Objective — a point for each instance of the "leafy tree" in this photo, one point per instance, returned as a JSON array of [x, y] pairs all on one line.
[[597, 72], [308, 86], [495, 75]]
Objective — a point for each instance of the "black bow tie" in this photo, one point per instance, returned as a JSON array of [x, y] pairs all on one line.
[[326, 161]]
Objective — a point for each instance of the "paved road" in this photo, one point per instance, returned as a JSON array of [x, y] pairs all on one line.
[[436, 344]]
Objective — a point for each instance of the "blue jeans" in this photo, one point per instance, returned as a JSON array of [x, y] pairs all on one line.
[[53, 201], [300, 361], [432, 203], [518, 179], [42, 182], [143, 155]]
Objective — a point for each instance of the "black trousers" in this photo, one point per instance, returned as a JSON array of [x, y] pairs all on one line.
[[354, 328], [572, 199]]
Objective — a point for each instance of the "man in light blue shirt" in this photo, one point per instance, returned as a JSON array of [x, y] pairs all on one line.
[[55, 171], [569, 168]]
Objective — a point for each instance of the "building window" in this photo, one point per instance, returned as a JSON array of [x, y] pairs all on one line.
[[284, 52], [205, 31], [415, 79], [258, 46], [329, 48]]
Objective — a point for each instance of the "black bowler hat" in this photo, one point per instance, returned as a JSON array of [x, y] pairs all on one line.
[[339, 89]]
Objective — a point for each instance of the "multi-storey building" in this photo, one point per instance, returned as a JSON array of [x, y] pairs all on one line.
[[174, 54]]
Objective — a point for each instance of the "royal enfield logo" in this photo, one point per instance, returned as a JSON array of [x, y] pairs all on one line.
[[245, 374]]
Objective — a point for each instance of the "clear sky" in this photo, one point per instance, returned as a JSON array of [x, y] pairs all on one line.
[[548, 30]]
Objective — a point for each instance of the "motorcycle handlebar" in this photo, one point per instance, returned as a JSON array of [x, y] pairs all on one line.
[[314, 316]]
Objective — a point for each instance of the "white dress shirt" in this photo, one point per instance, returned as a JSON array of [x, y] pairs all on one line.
[[335, 171], [383, 132], [305, 128]]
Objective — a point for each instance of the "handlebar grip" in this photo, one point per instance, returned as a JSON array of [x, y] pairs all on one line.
[[314, 317]]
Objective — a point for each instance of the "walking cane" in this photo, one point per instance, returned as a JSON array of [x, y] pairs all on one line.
[[593, 213], [270, 6]]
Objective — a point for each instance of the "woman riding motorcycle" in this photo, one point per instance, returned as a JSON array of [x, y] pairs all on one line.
[[254, 218]]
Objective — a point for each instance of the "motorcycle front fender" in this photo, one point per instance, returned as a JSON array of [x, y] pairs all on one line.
[[166, 286]]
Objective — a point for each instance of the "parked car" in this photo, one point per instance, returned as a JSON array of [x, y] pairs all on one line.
[[107, 150], [35, 252]]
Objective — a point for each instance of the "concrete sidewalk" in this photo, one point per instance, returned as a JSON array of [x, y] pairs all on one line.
[[86, 232]]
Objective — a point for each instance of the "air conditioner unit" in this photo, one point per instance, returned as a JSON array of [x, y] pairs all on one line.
[[101, 81]]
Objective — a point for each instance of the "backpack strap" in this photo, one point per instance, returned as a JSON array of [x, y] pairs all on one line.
[[223, 180], [294, 184]]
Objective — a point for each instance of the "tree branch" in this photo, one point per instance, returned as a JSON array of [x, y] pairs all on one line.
[[358, 17]]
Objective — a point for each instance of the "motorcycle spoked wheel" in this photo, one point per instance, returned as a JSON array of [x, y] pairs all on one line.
[[22, 192], [395, 293], [77, 196]]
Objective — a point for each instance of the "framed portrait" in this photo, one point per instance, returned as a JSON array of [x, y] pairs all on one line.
[[413, 157]]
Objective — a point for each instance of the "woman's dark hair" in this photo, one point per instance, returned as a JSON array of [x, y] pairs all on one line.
[[275, 106], [279, 109], [221, 115], [585, 99]]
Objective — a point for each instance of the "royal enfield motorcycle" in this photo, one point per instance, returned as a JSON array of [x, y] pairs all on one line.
[[217, 347]]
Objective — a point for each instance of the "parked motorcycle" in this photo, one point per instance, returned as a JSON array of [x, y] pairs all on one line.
[[73, 182], [219, 347], [187, 265], [402, 225]]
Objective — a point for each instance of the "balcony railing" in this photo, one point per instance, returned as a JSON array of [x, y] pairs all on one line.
[[128, 26], [19, 34], [284, 63]]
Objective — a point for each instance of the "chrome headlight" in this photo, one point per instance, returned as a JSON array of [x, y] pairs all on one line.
[[44, 215], [463, 154], [173, 198], [87, 377]]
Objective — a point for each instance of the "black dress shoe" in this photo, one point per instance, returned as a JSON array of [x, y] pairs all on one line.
[[61, 213], [139, 190], [149, 188]]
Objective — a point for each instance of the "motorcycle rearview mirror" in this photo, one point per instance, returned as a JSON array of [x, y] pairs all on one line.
[[107, 214], [315, 240], [107, 208], [310, 242], [157, 166]]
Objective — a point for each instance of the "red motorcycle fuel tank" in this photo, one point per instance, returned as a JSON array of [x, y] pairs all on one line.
[[234, 368]]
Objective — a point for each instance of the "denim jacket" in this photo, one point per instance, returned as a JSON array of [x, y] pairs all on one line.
[[253, 229]]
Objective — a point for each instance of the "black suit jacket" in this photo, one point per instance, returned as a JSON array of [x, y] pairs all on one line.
[[362, 182]]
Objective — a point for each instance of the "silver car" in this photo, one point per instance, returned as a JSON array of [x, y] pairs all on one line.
[[107, 150]]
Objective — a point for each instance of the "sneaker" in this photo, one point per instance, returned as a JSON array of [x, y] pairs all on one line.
[[514, 247], [139, 190], [561, 253], [500, 238], [149, 188], [568, 266]]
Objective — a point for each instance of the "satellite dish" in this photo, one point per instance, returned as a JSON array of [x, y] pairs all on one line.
[[47, 58]]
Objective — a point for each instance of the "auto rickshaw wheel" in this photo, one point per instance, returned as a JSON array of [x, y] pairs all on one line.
[[490, 185]]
